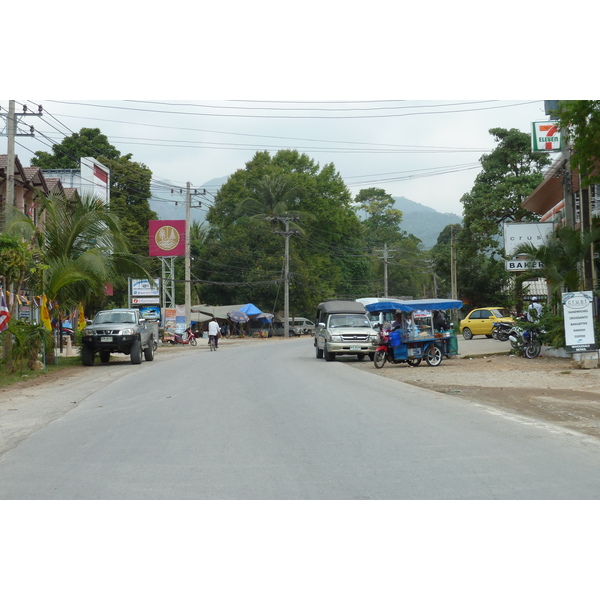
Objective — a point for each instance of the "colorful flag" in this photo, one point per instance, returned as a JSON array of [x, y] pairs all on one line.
[[4, 313], [81, 321], [44, 314]]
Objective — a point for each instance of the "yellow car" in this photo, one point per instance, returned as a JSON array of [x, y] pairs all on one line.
[[480, 321]]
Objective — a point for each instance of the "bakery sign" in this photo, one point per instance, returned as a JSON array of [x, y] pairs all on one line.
[[167, 238], [578, 314], [523, 265]]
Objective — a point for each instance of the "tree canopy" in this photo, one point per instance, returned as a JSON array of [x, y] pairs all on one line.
[[580, 119], [509, 174], [245, 254], [129, 180]]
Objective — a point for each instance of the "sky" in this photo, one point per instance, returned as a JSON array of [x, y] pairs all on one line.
[[425, 150], [397, 97]]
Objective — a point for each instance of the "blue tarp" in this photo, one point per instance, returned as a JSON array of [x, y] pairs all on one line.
[[250, 310], [410, 305]]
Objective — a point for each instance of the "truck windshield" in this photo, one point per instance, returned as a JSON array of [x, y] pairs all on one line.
[[348, 321], [115, 318]]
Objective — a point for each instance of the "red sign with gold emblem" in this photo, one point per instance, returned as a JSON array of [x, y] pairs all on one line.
[[167, 238]]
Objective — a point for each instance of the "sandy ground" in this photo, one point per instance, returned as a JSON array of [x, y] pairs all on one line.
[[550, 389]]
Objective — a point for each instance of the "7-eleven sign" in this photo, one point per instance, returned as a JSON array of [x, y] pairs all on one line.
[[545, 137]]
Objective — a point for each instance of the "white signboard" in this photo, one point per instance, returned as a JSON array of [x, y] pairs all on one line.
[[522, 265], [95, 179], [143, 287], [516, 234], [145, 300], [578, 311]]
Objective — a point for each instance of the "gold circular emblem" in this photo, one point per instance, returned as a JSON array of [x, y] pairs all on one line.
[[167, 237]]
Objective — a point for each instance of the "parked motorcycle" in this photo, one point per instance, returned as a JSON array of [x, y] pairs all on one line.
[[188, 337], [501, 331], [526, 341], [385, 352]]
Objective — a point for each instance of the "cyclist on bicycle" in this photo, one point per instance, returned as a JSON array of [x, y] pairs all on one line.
[[213, 332]]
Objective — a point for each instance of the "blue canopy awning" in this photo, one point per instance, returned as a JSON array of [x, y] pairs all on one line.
[[410, 305], [250, 310]]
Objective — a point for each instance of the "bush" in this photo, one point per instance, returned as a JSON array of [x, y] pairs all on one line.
[[27, 341]]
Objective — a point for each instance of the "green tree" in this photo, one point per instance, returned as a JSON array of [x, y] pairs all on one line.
[[129, 185], [130, 199], [382, 223], [82, 248], [16, 264], [561, 257], [66, 155], [580, 119], [440, 256], [327, 260], [509, 174]]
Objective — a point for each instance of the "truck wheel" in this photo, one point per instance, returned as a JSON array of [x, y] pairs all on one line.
[[136, 352], [329, 356], [87, 355], [149, 351], [318, 351], [104, 356]]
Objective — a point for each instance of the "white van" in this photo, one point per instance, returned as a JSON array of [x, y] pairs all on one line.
[[298, 326]]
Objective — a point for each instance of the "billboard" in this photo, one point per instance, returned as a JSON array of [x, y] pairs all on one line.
[[95, 179], [144, 287], [167, 238], [516, 234]]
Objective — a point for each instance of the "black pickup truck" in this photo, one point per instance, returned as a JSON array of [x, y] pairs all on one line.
[[121, 330]]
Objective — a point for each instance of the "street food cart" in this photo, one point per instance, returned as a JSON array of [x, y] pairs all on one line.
[[425, 332]]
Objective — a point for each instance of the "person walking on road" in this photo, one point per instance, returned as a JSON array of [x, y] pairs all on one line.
[[214, 332]]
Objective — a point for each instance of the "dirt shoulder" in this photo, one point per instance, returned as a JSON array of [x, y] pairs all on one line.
[[554, 390]]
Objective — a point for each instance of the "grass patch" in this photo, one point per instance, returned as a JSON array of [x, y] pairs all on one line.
[[24, 374]]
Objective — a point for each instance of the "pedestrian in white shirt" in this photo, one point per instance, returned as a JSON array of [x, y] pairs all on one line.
[[214, 332]]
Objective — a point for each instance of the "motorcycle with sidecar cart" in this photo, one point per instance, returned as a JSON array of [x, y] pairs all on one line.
[[423, 331]]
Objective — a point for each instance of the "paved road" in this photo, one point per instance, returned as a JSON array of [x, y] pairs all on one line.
[[267, 420]]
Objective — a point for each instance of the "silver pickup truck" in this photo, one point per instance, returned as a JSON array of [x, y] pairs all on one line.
[[121, 330]]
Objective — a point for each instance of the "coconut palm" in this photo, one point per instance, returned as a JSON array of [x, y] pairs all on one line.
[[274, 196], [561, 257], [81, 246]]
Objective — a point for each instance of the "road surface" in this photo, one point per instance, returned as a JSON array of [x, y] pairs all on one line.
[[267, 420]]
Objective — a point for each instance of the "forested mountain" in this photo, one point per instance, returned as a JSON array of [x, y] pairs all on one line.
[[423, 222]]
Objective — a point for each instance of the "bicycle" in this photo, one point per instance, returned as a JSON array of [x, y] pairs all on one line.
[[211, 343]]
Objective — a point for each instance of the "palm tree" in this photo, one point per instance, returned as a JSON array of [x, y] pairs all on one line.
[[561, 257], [274, 195], [82, 248]]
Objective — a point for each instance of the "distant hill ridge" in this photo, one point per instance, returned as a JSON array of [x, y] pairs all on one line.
[[422, 221]]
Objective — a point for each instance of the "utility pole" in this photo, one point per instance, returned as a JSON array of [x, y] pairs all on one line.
[[453, 284], [286, 296], [11, 133], [385, 255], [188, 283]]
